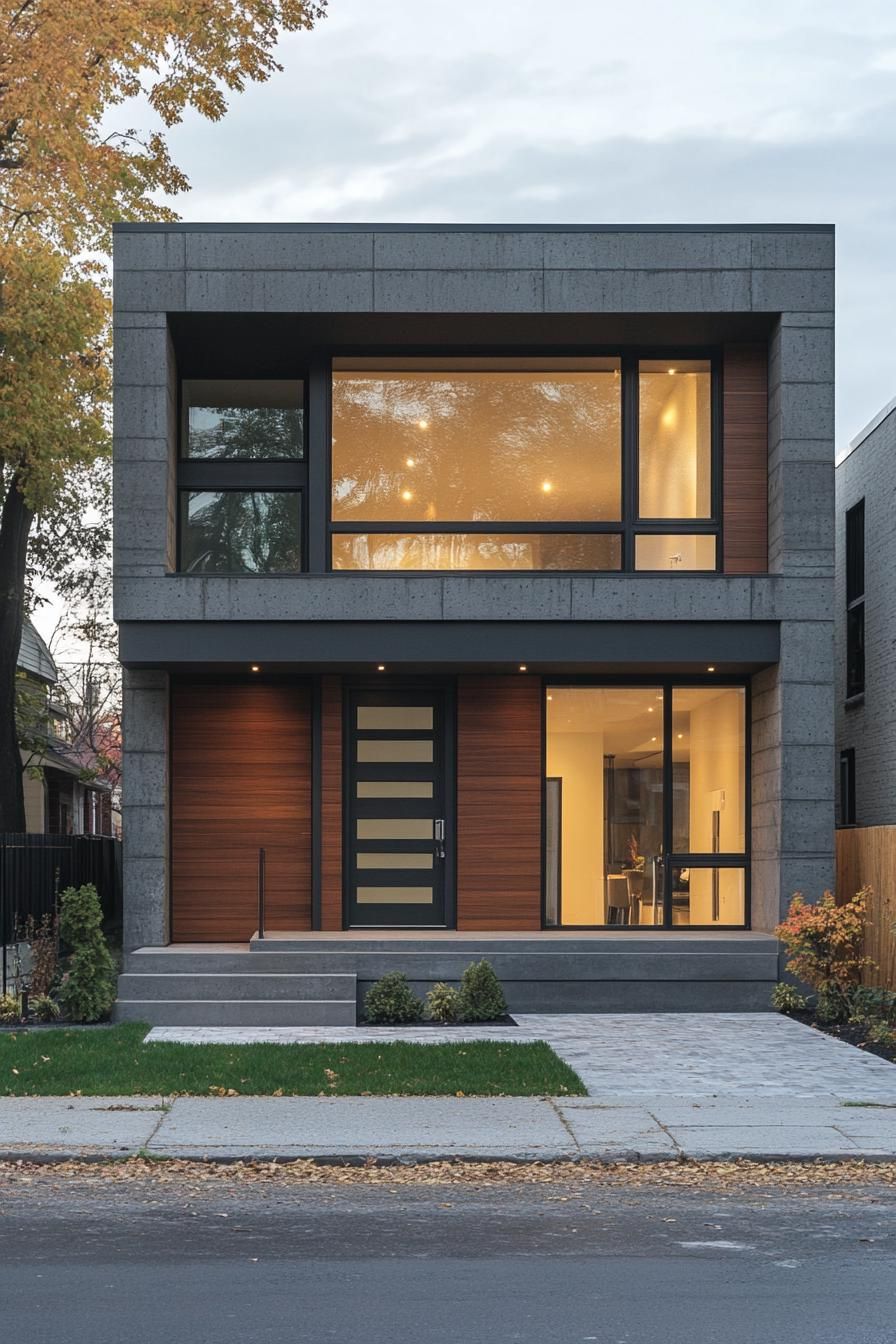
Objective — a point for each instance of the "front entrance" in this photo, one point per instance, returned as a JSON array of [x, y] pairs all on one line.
[[397, 841]]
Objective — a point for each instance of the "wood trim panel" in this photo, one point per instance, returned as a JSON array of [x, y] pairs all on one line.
[[499, 803], [331, 804], [745, 459], [240, 779]]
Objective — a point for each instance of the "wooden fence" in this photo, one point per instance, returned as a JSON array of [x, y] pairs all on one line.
[[866, 857]]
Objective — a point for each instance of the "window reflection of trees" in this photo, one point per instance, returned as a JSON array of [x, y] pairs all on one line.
[[239, 531], [251, 433]]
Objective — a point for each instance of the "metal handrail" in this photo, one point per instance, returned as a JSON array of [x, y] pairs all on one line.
[[261, 878]]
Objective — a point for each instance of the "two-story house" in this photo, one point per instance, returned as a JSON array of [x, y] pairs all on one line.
[[474, 587]]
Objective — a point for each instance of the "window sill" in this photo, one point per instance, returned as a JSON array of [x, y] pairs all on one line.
[[854, 701]]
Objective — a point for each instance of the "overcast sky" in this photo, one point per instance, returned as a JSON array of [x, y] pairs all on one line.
[[584, 111]]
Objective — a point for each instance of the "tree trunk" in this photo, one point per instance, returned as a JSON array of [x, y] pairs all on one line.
[[15, 524]]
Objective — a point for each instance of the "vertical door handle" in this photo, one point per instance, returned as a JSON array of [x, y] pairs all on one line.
[[438, 831]]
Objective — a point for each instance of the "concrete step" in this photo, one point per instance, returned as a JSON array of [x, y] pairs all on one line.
[[237, 1012], [213, 984]]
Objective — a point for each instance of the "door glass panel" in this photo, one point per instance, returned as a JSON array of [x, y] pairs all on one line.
[[395, 828], [412, 749], [675, 439], [394, 860], [394, 895], [605, 747], [709, 769], [477, 440], [708, 896], [394, 788], [395, 716], [477, 551], [681, 552]]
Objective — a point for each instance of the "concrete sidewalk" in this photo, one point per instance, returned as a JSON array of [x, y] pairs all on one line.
[[432, 1128]]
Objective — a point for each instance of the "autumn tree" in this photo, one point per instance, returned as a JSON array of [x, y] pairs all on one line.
[[67, 68]]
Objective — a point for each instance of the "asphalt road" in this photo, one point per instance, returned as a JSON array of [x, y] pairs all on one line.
[[101, 1263]]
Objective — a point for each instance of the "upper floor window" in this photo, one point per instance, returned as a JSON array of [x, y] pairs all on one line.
[[855, 600], [241, 476], [523, 463]]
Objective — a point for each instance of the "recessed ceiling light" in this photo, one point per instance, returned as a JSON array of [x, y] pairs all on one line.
[[523, 667], [653, 739], [547, 487], [673, 370], [407, 496], [254, 668], [550, 697], [423, 424], [710, 669], [381, 667], [410, 462], [681, 734]]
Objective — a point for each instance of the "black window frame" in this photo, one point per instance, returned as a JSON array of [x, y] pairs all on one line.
[[846, 807], [670, 858], [854, 569], [261, 475], [627, 528]]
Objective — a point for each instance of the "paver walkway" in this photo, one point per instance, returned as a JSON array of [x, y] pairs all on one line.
[[641, 1055]]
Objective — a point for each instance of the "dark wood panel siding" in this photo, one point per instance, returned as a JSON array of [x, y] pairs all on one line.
[[240, 779], [331, 804], [745, 458], [499, 803]]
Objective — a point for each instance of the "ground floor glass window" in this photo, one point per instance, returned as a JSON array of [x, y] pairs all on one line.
[[645, 805]]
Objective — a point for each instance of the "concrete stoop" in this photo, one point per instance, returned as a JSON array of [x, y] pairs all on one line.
[[213, 989], [321, 980]]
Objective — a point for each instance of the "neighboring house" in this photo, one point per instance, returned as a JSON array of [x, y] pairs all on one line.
[[61, 797], [482, 578], [865, 606]]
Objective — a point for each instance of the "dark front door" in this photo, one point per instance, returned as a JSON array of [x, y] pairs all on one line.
[[397, 822]]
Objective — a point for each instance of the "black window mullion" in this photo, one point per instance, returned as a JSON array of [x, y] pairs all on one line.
[[629, 459], [668, 804]]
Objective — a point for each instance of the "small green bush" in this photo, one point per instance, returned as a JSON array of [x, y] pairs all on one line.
[[871, 1002], [833, 1005], [481, 993], [391, 1001], [444, 1003], [88, 986], [787, 998], [10, 1010], [881, 1033], [44, 1008]]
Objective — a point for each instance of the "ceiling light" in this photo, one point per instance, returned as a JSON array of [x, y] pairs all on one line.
[[254, 668], [653, 739], [407, 495], [650, 709], [523, 667], [681, 735], [409, 462], [673, 370], [710, 669], [381, 667], [423, 424], [547, 487], [550, 697]]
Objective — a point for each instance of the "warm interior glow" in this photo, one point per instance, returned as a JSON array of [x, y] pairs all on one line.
[[679, 552], [476, 551], [675, 463]]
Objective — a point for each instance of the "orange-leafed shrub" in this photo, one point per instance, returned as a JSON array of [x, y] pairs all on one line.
[[826, 946]]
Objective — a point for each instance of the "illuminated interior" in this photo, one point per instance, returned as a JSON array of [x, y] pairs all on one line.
[[605, 815], [675, 440]]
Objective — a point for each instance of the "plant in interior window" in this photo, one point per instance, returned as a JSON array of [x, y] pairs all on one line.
[[444, 1003], [391, 1001], [87, 992], [826, 945], [481, 993]]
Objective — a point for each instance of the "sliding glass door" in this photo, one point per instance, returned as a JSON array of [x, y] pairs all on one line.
[[647, 805]]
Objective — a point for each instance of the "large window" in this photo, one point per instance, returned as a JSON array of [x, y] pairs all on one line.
[[855, 600], [646, 805], [241, 476], [522, 463]]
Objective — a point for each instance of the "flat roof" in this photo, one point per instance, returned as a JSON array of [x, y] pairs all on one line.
[[869, 429], [323, 227]]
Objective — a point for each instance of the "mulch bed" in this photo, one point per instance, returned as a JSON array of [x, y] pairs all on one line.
[[853, 1033]]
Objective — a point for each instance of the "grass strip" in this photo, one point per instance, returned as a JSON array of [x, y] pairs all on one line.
[[116, 1062]]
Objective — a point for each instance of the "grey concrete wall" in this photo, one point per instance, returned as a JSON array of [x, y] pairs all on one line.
[[145, 808], [868, 725], [784, 274]]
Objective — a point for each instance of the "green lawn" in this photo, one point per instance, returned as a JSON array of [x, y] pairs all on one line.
[[115, 1062]]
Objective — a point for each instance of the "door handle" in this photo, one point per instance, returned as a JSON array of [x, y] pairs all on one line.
[[438, 831]]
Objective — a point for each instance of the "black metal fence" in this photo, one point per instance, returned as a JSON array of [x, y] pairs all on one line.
[[35, 868]]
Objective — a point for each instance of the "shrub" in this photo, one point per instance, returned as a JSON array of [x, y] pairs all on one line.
[[872, 1003], [826, 943], [87, 992], [9, 1008], [788, 999], [481, 993], [444, 1003], [881, 1033], [44, 1008], [43, 937], [391, 1000]]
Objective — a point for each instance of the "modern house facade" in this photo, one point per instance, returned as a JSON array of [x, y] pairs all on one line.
[[474, 588]]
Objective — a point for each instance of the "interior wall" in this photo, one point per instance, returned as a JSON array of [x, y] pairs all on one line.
[[717, 763], [577, 759], [674, 477]]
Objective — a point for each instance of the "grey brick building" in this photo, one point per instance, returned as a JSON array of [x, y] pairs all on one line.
[[482, 577]]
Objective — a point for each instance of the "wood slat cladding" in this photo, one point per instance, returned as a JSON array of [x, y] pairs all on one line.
[[240, 779], [745, 459], [498, 803], [331, 804]]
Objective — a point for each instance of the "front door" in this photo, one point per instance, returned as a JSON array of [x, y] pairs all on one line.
[[397, 819]]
